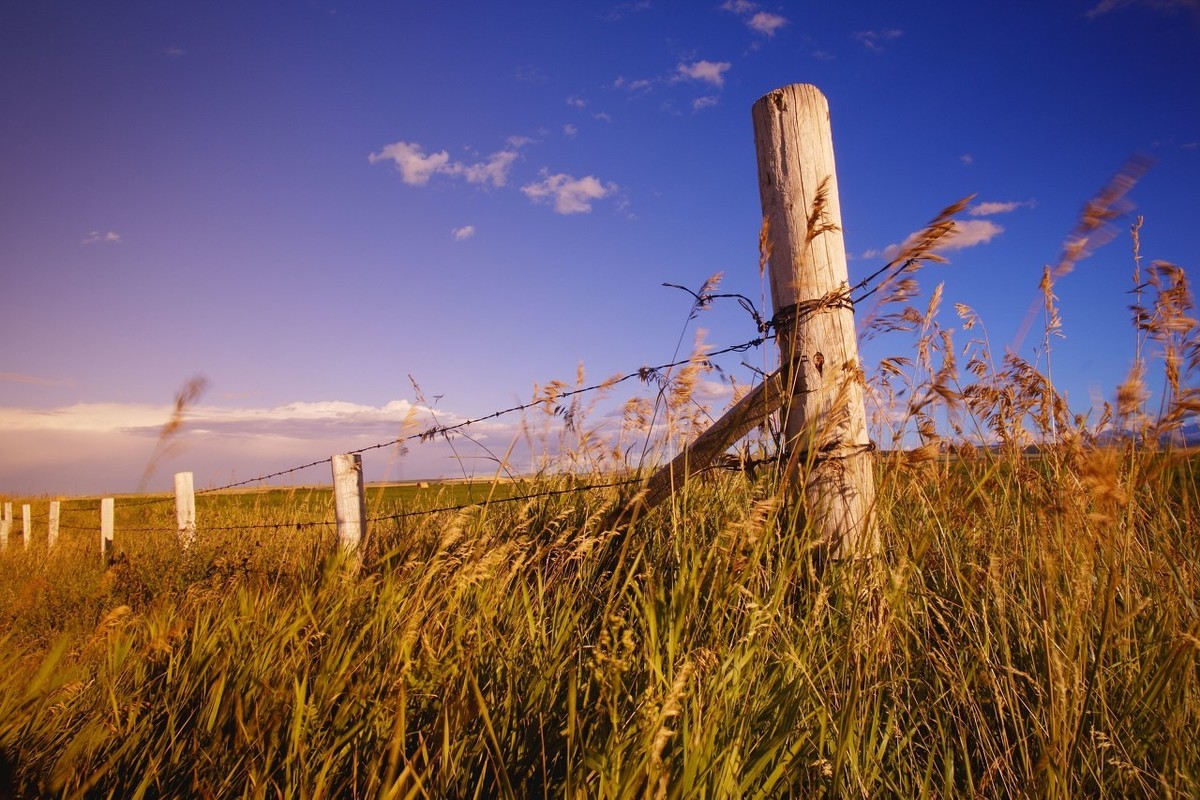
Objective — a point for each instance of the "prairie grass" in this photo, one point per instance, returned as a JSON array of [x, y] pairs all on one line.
[[1035, 629]]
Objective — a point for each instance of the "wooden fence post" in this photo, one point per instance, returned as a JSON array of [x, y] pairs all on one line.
[[824, 419], [106, 526], [5, 525], [26, 526], [52, 531], [349, 501], [185, 508]]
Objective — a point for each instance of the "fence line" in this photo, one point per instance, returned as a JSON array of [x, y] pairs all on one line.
[[184, 496]]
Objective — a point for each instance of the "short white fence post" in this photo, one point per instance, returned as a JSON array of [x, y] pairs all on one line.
[[106, 526], [26, 525], [349, 501], [5, 525], [185, 508], [52, 533]]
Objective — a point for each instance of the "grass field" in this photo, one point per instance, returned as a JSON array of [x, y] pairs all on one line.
[[1031, 626], [1025, 640]]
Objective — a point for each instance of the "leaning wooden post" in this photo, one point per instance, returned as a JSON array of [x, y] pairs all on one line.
[[52, 528], [185, 508], [106, 526], [350, 502], [26, 526], [824, 420]]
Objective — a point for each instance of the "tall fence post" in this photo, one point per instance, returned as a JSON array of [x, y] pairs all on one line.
[[106, 526], [824, 419], [185, 508], [5, 526], [349, 501], [52, 528], [26, 526]]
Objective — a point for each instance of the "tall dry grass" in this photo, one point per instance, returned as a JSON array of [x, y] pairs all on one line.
[[1036, 631]]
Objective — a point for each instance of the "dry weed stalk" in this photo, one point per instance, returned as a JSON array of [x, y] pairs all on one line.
[[167, 443]]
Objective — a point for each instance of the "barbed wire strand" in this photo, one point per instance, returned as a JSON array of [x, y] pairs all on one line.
[[789, 314]]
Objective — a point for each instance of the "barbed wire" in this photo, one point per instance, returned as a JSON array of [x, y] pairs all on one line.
[[787, 315], [388, 517], [514, 499], [645, 373]]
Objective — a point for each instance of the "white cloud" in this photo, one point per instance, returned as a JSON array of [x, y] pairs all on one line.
[[874, 40], [570, 195], [708, 71], [966, 233], [602, 116], [766, 23], [105, 447], [494, 170], [967, 159], [970, 232], [570, 130], [705, 102], [96, 237], [990, 208], [576, 102], [465, 232], [416, 168]]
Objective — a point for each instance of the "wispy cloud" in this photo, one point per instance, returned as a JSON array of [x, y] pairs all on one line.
[[34, 380], [705, 102], [416, 167], [712, 72], [570, 195], [175, 51], [990, 208], [463, 233], [739, 6], [1108, 6], [623, 10], [529, 73], [970, 232], [96, 237], [966, 233], [104, 447], [875, 40], [636, 86], [967, 159], [576, 102], [569, 130]]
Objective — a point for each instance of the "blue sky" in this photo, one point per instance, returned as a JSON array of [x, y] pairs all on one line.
[[307, 202]]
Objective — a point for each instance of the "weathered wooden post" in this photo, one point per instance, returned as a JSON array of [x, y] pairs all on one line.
[[106, 526], [26, 526], [5, 525], [350, 502], [824, 419], [52, 528], [185, 508]]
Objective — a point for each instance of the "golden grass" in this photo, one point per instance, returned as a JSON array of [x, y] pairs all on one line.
[[1035, 631]]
